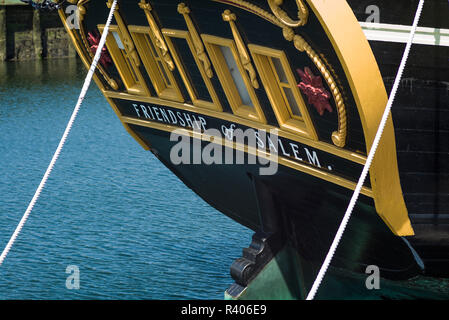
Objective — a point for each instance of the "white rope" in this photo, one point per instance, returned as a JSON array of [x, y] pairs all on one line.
[[87, 82], [369, 160]]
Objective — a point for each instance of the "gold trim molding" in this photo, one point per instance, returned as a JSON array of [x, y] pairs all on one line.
[[326, 176], [323, 146], [303, 13], [248, 6], [361, 69], [196, 39], [245, 58], [82, 32], [127, 40], [339, 136], [160, 42], [280, 19]]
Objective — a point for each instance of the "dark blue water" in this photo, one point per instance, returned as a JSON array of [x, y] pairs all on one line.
[[110, 208]]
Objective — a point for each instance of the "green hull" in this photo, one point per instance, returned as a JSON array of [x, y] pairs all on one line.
[[288, 277]]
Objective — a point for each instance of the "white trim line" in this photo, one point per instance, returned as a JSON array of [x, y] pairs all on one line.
[[400, 33]]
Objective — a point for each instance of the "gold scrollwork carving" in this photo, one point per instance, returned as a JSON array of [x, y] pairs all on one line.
[[196, 39], [160, 42], [303, 13], [279, 19], [81, 13], [248, 6], [127, 41], [339, 136], [241, 48]]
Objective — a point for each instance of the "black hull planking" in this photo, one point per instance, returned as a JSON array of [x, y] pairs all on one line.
[[294, 208]]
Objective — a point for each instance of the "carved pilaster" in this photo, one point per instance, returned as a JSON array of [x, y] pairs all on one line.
[[196, 39], [160, 42], [245, 58], [80, 38], [126, 37]]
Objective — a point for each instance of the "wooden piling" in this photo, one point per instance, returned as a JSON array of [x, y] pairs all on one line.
[[2, 33], [37, 34]]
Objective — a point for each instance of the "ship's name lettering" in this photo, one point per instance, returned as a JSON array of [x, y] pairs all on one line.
[[159, 114], [277, 145], [184, 119]]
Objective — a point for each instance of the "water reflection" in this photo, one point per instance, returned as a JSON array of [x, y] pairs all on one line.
[[109, 207], [38, 72]]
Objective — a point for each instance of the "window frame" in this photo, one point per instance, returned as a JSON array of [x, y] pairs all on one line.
[[125, 64], [215, 104], [212, 44], [262, 57], [141, 35]]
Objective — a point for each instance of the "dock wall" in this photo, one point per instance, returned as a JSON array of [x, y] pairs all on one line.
[[27, 34]]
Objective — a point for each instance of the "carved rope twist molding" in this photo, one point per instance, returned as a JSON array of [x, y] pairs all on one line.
[[248, 6], [339, 136]]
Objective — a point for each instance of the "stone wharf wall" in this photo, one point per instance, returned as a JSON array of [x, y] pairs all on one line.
[[27, 34]]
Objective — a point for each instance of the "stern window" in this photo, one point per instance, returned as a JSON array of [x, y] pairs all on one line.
[[283, 93], [233, 78], [160, 74], [191, 69], [129, 72]]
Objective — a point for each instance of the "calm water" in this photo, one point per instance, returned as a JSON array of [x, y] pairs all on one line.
[[110, 208]]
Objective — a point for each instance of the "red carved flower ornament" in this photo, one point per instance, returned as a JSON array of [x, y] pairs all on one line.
[[312, 87], [94, 40]]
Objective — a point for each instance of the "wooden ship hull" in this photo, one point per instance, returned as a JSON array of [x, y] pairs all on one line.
[[297, 87]]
